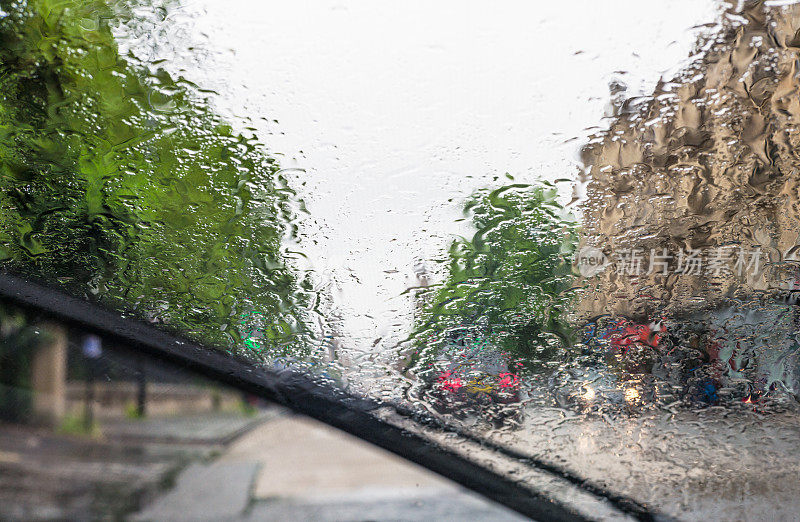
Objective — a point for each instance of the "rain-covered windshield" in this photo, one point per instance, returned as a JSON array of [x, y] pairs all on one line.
[[566, 232]]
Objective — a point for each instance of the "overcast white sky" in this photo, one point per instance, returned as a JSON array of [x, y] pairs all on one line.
[[401, 109]]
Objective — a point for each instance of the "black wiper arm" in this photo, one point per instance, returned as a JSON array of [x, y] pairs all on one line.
[[318, 400]]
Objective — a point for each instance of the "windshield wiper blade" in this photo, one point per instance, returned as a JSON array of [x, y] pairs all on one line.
[[316, 399]]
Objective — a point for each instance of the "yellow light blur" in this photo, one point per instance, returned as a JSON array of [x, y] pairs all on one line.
[[631, 394]]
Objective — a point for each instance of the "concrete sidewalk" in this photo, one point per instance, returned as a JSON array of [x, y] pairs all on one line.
[[51, 476], [207, 428], [294, 468]]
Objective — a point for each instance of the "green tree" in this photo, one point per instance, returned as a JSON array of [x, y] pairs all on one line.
[[507, 288], [119, 182]]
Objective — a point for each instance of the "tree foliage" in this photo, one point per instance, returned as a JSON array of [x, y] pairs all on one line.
[[119, 182], [508, 287]]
